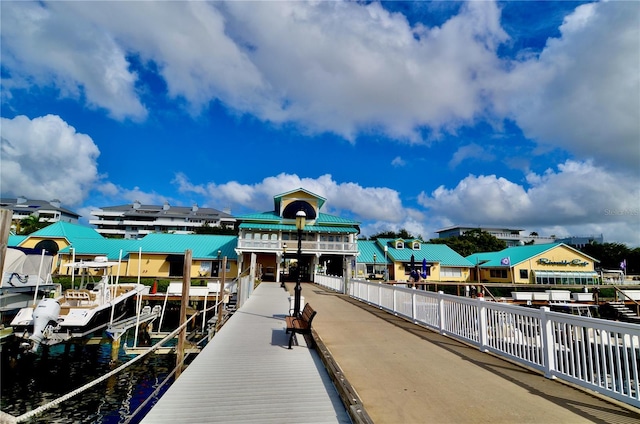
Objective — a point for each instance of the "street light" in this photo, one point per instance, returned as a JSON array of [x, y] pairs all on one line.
[[374, 265], [219, 262], [386, 267], [301, 219]]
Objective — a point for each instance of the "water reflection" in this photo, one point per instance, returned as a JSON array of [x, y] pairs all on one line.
[[29, 381]]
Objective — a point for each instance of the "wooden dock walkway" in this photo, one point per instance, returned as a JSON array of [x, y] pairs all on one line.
[[247, 374]]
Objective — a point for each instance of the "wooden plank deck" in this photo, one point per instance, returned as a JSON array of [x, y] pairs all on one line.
[[247, 374]]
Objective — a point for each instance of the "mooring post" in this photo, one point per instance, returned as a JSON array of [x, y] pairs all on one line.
[[182, 335], [221, 295]]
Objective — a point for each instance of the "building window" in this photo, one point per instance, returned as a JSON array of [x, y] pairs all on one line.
[[450, 272], [498, 273], [524, 273], [416, 246], [399, 245]]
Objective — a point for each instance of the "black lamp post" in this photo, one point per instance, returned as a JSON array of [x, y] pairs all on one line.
[[301, 218], [219, 262], [374, 265]]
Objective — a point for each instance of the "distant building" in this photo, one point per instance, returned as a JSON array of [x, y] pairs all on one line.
[[136, 220], [46, 211], [518, 237]]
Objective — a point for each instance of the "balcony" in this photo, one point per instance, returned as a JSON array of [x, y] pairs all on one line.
[[292, 245]]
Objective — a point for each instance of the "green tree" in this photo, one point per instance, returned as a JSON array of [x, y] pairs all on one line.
[[208, 229], [611, 255], [403, 234], [30, 225], [473, 241]]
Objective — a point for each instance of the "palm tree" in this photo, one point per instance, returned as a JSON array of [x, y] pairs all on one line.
[[30, 224]]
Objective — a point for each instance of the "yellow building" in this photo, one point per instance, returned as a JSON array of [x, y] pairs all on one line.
[[554, 263]]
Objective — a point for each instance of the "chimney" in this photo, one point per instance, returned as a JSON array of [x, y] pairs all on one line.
[[136, 204], [166, 206], [194, 208], [55, 203], [21, 199]]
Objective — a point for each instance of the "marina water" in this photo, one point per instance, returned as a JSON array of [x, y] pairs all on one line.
[[29, 381]]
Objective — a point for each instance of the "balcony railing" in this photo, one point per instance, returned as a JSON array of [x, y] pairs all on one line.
[[292, 245]]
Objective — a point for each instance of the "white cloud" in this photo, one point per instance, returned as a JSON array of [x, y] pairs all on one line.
[[364, 203], [578, 197], [45, 158], [398, 162], [582, 92], [42, 46], [357, 67], [470, 151]]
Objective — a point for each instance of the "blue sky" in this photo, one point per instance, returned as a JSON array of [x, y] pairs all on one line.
[[416, 115]]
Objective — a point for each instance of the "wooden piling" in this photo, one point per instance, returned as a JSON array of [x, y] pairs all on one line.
[[182, 335]]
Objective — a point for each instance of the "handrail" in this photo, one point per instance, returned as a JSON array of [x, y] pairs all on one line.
[[627, 296], [592, 353]]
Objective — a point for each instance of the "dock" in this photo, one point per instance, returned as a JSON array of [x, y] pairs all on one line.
[[398, 371], [246, 373]]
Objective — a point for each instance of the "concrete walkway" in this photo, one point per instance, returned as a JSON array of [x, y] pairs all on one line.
[[404, 373]]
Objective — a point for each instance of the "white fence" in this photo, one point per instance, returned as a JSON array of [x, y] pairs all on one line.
[[330, 282], [596, 354]]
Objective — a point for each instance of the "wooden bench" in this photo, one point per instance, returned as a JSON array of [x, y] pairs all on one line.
[[300, 324]]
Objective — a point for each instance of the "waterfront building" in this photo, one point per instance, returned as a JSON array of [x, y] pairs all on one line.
[[46, 211], [383, 256], [136, 220], [553, 263], [519, 237], [270, 239]]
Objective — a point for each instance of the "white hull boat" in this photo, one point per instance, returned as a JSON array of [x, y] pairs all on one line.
[[78, 312]]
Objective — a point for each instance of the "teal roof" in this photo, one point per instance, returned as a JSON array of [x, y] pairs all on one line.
[[202, 246], [516, 254], [433, 253], [322, 219], [14, 240], [291, 227], [262, 216], [67, 230], [111, 248], [366, 250]]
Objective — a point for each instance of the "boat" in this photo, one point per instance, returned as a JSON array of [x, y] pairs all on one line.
[[26, 276], [81, 311]]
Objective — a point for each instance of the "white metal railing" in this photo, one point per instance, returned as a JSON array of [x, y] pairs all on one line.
[[330, 282], [596, 354], [307, 246]]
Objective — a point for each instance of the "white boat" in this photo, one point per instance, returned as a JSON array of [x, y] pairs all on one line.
[[26, 276], [78, 312]]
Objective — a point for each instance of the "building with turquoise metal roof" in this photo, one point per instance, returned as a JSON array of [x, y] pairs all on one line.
[[271, 240], [267, 247], [395, 259], [552, 263]]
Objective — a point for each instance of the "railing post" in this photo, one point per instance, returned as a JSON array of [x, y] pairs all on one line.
[[414, 307], [548, 345], [395, 300], [441, 326], [379, 295], [482, 323]]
